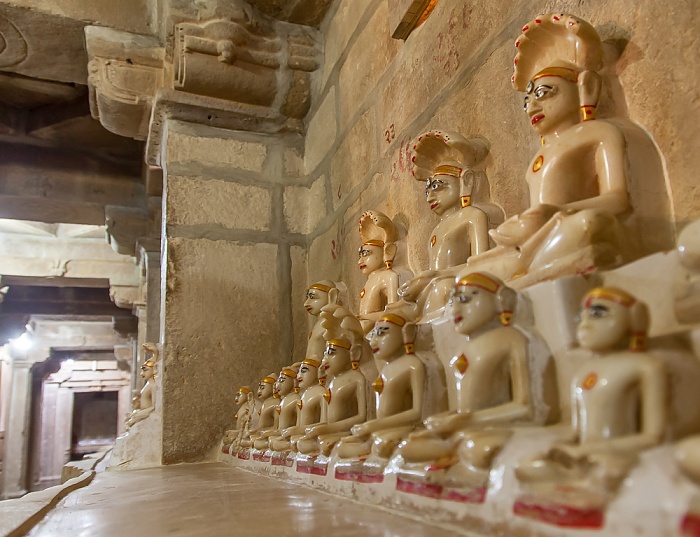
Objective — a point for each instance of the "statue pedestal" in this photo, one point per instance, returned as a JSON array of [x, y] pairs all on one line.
[[140, 446]]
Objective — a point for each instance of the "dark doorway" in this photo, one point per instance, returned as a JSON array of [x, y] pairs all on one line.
[[94, 422]]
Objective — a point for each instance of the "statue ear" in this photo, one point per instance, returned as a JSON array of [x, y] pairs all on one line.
[[409, 331], [355, 353], [589, 85], [506, 299], [390, 251], [639, 317], [333, 296]]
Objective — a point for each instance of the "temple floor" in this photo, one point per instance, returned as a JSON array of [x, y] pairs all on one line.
[[213, 499]]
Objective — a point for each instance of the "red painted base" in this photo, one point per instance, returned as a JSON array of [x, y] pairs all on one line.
[[560, 515], [311, 466], [477, 495], [429, 490], [690, 526], [244, 454]]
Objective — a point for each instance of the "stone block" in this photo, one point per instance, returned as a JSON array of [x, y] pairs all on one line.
[[195, 143], [367, 60], [221, 331], [198, 201], [353, 158], [293, 162], [338, 31], [321, 133], [305, 207]]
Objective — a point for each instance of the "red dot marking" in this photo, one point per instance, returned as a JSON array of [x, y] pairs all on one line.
[[526, 28]]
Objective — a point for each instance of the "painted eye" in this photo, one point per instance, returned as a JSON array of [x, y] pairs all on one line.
[[598, 311]]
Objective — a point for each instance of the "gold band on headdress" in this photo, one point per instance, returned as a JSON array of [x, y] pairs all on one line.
[[373, 242], [289, 373], [480, 280], [269, 380], [148, 363], [393, 319], [612, 294], [320, 286], [243, 389], [447, 169], [343, 344], [312, 363], [561, 72]]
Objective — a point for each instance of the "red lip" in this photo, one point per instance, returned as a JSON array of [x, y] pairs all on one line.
[[536, 119], [433, 205], [308, 308], [375, 349], [362, 266], [458, 319]]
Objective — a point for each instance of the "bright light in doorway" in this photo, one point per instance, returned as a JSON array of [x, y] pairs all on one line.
[[22, 343]]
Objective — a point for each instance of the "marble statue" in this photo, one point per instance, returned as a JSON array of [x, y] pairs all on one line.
[[376, 256], [346, 398], [400, 394], [285, 412], [620, 407], [308, 393], [243, 400], [490, 388], [457, 191], [147, 397], [264, 400], [319, 295], [578, 178]]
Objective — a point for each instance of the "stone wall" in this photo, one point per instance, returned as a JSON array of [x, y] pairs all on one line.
[[376, 94], [236, 209]]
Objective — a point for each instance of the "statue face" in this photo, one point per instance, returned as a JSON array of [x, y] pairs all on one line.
[[307, 376], [442, 193], [604, 325], [315, 301], [264, 390], [146, 372], [552, 104], [472, 308], [239, 399], [284, 384], [386, 340], [371, 258], [336, 360]]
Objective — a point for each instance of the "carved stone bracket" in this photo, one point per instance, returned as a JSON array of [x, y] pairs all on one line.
[[245, 71], [125, 70]]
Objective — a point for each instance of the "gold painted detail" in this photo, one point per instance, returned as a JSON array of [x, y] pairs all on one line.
[[588, 112], [362, 293], [612, 294], [300, 404], [342, 343], [447, 169], [290, 373], [378, 385], [410, 348], [373, 242], [461, 364], [269, 380], [590, 381], [355, 365], [311, 362], [433, 240], [244, 389], [537, 165], [393, 319], [480, 280], [560, 72], [465, 201], [321, 287], [327, 396], [505, 317]]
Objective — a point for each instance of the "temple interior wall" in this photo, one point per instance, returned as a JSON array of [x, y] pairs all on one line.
[[376, 95]]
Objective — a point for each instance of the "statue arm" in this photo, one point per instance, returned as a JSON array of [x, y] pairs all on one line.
[[479, 232], [610, 166], [392, 287], [519, 406]]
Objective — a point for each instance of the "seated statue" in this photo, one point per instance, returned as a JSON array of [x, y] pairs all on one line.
[[259, 419], [377, 254], [147, 397], [400, 389], [457, 191], [490, 388], [578, 179], [620, 407], [310, 398], [288, 390], [243, 400], [319, 296], [346, 397]]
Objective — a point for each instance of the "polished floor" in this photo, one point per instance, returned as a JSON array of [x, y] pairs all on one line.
[[214, 500]]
